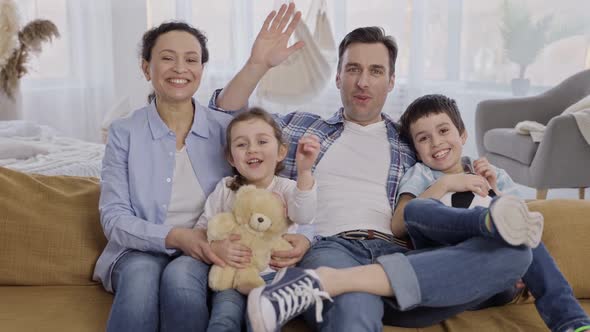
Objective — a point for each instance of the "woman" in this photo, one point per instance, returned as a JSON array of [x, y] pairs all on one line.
[[159, 166]]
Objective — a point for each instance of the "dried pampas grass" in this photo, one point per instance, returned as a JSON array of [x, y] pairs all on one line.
[[28, 40], [8, 30]]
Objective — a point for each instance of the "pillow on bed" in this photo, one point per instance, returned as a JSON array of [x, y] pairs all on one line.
[[15, 149]]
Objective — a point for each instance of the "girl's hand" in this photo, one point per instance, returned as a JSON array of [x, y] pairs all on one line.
[[234, 254], [308, 150], [483, 167], [466, 182], [270, 47]]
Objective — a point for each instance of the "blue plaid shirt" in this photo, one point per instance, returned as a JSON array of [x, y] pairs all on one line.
[[297, 124]]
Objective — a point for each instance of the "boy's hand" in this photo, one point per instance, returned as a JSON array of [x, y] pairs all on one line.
[[483, 167], [466, 182], [308, 150], [270, 47], [232, 253]]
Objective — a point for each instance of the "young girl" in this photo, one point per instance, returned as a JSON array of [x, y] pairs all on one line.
[[255, 149]]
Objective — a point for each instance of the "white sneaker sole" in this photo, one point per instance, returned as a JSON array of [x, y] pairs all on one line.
[[255, 310], [515, 223], [255, 314]]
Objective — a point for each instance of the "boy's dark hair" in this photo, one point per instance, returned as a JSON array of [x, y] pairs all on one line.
[[150, 37], [369, 35], [252, 113], [429, 105]]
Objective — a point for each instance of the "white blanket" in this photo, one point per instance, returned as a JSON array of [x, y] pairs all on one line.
[[37, 149], [580, 111]]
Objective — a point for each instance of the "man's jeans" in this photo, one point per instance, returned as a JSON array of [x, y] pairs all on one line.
[[430, 285], [429, 222], [155, 292]]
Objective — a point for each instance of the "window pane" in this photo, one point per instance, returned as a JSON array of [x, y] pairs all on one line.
[[485, 58], [159, 11], [393, 16], [214, 18]]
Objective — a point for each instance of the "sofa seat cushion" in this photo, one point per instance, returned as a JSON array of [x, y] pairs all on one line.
[[50, 232], [54, 308], [566, 234], [507, 142]]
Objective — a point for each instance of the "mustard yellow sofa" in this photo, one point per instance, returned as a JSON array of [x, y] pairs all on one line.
[[50, 238]]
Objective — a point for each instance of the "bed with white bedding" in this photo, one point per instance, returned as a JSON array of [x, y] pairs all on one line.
[[32, 148]]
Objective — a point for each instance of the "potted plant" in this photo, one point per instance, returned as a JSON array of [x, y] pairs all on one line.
[[16, 47], [524, 39]]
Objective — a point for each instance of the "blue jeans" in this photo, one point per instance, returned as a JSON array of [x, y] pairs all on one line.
[[430, 285], [429, 222], [155, 292], [228, 309]]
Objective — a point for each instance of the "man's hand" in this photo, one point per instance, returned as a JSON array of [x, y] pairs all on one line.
[[286, 258], [234, 254], [270, 47]]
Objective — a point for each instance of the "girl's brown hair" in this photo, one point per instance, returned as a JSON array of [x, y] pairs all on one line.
[[250, 114]]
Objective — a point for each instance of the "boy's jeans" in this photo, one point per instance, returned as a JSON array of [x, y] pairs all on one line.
[[431, 223], [430, 285]]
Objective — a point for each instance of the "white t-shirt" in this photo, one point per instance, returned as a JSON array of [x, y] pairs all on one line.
[[187, 198], [352, 181]]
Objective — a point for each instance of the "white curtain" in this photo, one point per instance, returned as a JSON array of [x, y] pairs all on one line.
[[74, 99], [445, 46]]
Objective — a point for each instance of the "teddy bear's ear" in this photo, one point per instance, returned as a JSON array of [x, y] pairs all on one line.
[[245, 189]]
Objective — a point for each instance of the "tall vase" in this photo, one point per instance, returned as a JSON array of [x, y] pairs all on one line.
[[11, 108]]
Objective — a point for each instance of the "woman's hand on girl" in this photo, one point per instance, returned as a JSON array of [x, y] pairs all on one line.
[[193, 242], [232, 253]]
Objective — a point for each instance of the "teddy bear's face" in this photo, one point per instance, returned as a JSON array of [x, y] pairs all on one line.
[[259, 222], [261, 210]]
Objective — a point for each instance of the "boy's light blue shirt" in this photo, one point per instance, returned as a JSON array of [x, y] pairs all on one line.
[[419, 177]]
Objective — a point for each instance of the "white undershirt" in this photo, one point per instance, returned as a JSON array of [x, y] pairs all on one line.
[[352, 181], [187, 199]]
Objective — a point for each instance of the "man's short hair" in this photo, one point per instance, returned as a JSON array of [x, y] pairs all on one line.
[[370, 35], [429, 105]]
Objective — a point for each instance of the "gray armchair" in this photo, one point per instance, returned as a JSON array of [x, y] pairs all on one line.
[[560, 160]]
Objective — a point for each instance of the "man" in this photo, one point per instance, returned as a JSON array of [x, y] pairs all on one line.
[[361, 163]]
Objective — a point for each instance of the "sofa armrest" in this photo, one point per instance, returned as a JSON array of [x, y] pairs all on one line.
[[563, 157]]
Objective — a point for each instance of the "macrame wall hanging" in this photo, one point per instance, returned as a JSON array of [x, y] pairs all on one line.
[[305, 73]]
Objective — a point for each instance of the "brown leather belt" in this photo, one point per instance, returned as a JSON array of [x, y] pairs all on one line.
[[369, 234]]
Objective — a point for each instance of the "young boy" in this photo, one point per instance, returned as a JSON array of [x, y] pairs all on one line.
[[434, 126]]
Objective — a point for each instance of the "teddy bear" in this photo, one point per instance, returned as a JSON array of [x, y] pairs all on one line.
[[260, 218]]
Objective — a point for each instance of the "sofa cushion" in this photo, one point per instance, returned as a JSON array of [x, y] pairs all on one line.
[[507, 142], [50, 231], [54, 308], [566, 234]]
